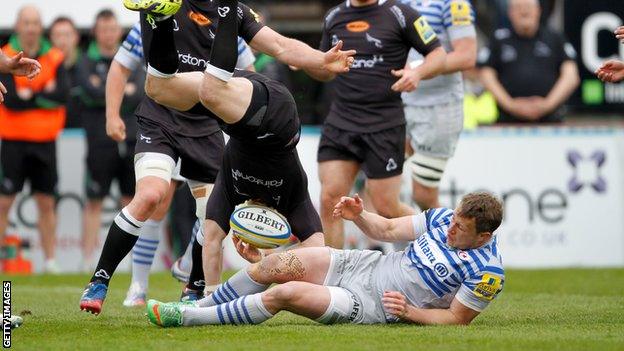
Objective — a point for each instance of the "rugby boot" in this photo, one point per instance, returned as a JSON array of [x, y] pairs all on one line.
[[93, 297]]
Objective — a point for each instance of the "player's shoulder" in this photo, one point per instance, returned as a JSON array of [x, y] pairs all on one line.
[[400, 10], [492, 261], [331, 14], [438, 217]]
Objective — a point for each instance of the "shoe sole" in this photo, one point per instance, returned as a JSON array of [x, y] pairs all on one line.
[[91, 306]]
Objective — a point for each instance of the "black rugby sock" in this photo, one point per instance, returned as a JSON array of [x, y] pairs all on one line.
[[224, 53], [196, 278], [117, 245], [162, 55]]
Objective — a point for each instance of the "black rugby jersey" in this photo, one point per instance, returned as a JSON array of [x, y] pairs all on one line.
[[194, 30], [382, 34], [527, 66]]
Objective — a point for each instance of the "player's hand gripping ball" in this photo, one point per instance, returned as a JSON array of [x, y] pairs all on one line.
[[260, 226]]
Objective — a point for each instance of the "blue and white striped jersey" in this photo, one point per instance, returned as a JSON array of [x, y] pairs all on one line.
[[130, 54], [431, 274], [451, 20]]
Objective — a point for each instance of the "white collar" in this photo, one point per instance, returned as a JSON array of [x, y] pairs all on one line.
[[380, 2]]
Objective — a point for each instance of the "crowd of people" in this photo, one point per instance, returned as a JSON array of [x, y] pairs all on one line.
[[398, 72]]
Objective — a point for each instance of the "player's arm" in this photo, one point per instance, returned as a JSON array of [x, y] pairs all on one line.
[[611, 71], [418, 34], [374, 225], [459, 23], [116, 81], [457, 314], [296, 53]]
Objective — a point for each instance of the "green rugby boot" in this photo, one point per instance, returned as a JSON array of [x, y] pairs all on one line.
[[164, 314], [159, 8]]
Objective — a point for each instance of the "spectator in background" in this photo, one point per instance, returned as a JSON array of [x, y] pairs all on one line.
[[612, 71], [30, 120], [65, 36], [106, 159], [530, 70]]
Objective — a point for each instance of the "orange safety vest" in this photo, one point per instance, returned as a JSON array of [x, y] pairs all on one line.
[[37, 124]]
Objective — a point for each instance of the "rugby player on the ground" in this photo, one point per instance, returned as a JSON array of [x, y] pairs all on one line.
[[365, 128], [163, 136], [448, 274]]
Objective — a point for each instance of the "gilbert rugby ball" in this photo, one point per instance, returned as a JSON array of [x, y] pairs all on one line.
[[260, 226]]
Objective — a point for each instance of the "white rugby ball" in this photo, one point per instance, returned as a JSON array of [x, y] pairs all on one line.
[[260, 226]]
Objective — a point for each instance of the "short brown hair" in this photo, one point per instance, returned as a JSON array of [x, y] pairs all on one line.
[[485, 208], [63, 19]]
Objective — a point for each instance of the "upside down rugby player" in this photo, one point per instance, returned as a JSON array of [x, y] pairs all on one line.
[[168, 134]]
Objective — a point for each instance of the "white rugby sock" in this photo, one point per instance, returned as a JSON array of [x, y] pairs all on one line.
[[239, 284], [143, 252], [248, 309]]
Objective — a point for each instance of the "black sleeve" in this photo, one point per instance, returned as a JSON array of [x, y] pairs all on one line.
[[250, 23], [11, 99], [91, 95], [489, 55], [59, 95], [325, 41], [564, 51], [416, 31]]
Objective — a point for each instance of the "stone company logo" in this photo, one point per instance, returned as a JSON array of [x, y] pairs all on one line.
[[587, 171]]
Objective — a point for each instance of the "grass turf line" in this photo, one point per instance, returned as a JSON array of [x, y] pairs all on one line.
[[571, 309]]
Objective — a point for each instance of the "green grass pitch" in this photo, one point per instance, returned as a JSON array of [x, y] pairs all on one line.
[[572, 309]]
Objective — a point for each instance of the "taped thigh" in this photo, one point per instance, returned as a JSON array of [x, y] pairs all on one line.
[[153, 164], [427, 170], [344, 307]]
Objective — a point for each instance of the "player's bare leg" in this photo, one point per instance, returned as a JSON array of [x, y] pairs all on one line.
[[46, 205], [212, 253], [178, 91], [385, 197], [424, 196], [336, 178]]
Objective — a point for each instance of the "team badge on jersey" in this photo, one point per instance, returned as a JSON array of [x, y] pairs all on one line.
[[424, 30], [199, 19], [358, 26], [489, 286], [460, 13]]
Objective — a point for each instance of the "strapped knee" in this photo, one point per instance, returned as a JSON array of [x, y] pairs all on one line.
[[427, 170], [153, 164]]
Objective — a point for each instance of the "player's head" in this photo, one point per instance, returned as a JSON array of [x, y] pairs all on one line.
[[524, 16], [64, 35], [28, 26], [475, 220], [107, 30]]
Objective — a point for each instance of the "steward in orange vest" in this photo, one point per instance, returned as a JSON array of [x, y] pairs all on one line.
[[41, 115]]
